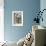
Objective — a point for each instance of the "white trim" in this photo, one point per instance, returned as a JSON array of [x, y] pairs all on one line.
[[1, 24]]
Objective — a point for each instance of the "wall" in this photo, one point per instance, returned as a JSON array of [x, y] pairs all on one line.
[[29, 7], [43, 6]]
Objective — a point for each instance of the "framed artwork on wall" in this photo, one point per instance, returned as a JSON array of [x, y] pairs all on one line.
[[17, 18]]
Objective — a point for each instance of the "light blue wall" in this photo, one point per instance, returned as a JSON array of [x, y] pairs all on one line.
[[29, 7], [43, 6]]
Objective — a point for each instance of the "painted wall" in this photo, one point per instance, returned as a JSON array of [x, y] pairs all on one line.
[[43, 6], [29, 7]]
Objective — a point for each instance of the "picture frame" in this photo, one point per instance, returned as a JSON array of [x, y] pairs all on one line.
[[17, 18]]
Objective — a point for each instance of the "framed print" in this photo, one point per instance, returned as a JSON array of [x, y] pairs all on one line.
[[17, 18]]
